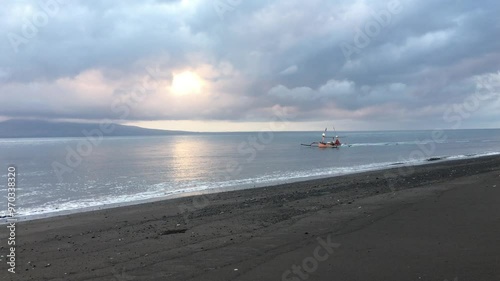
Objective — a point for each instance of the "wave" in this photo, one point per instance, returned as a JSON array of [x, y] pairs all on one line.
[[59, 206], [475, 155], [165, 190], [462, 156]]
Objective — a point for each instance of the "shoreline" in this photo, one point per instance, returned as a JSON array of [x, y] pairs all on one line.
[[441, 220], [386, 167]]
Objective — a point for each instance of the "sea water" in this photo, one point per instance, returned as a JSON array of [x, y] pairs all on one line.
[[74, 174]]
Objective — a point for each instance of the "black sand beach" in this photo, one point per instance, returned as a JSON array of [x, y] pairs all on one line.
[[435, 222]]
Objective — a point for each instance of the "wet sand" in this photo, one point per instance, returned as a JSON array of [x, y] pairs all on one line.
[[435, 222]]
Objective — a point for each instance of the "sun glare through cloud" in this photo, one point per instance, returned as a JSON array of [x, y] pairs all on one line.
[[186, 83]]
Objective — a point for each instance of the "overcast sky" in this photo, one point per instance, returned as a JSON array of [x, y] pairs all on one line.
[[236, 65]]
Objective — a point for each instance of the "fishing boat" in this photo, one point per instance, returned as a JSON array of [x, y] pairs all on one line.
[[328, 145], [335, 143]]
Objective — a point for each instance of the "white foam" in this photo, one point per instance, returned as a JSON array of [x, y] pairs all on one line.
[[456, 157], [88, 203]]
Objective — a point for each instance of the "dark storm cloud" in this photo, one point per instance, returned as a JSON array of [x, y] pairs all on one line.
[[422, 57]]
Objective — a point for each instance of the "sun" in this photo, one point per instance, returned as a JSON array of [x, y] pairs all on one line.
[[186, 83]]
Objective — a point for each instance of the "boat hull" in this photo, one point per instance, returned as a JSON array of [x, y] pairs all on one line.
[[327, 145]]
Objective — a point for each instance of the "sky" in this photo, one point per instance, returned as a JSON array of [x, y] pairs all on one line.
[[234, 65]]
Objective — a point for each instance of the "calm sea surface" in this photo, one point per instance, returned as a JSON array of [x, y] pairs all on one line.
[[132, 169]]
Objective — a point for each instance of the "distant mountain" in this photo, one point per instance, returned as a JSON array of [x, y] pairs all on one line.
[[19, 128]]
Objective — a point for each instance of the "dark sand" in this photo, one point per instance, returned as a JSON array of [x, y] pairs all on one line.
[[440, 222]]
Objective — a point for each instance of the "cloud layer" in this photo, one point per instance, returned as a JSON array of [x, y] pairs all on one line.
[[399, 63]]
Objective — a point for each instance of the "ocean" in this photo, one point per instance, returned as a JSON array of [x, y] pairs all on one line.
[[57, 175]]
